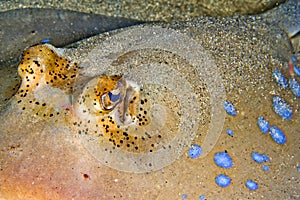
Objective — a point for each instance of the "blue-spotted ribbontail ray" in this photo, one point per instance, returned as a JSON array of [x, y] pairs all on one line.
[[130, 113], [49, 157]]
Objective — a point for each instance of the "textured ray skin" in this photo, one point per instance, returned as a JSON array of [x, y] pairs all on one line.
[[110, 108]]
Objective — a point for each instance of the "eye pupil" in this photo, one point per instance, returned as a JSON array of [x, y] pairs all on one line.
[[113, 97]]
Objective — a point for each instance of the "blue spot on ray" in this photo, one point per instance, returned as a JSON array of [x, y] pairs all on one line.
[[282, 108], [229, 108], [229, 132], [263, 125], [195, 151], [265, 168], [46, 40], [222, 180], [295, 87], [223, 159], [294, 58], [259, 158], [297, 70], [280, 79], [251, 185], [277, 135], [202, 197]]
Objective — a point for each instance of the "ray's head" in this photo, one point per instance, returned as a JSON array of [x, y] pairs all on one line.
[[105, 96], [113, 110]]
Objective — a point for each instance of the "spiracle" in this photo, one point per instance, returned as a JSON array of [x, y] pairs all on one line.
[[139, 105]]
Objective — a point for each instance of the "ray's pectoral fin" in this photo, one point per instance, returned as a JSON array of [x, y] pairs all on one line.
[[47, 80]]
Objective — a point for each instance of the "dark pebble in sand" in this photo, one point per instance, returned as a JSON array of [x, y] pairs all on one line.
[[282, 108], [277, 135], [223, 159]]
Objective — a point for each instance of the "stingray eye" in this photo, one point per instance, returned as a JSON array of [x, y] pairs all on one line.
[[110, 100], [114, 97]]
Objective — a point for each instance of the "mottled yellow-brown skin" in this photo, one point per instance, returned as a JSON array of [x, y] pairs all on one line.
[[42, 65], [44, 71], [46, 92], [55, 114], [121, 123]]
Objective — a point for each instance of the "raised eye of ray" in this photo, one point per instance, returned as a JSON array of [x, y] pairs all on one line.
[[114, 97], [160, 110]]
